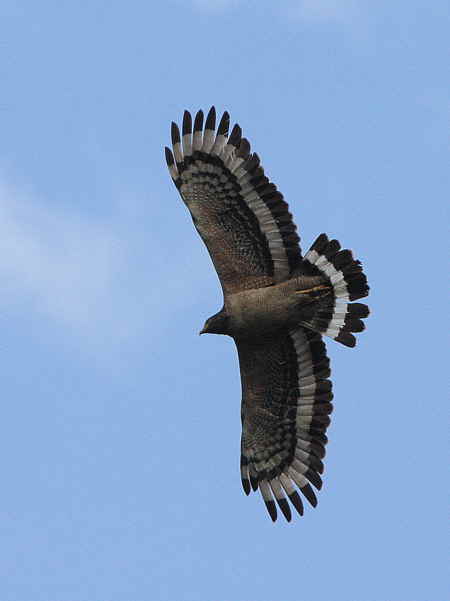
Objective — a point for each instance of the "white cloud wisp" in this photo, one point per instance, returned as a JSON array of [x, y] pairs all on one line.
[[96, 279]]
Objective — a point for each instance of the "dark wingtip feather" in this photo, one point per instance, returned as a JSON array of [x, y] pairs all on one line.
[[316, 464], [235, 136], [224, 124], [244, 148], [169, 156], [211, 119], [198, 122], [332, 248], [175, 133], [358, 310], [354, 324], [320, 243], [358, 287], [322, 438], [252, 163], [314, 478], [318, 450], [187, 123], [296, 501], [272, 509], [346, 339], [342, 258], [309, 494], [285, 509], [246, 486], [254, 482]]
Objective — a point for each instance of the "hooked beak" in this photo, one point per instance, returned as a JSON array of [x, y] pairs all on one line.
[[202, 332]]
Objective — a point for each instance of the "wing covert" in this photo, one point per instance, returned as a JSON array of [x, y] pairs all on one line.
[[286, 402], [240, 215]]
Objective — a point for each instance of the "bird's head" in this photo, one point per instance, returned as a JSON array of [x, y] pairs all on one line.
[[217, 324]]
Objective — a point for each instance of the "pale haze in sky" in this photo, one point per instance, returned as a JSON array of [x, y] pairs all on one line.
[[120, 428]]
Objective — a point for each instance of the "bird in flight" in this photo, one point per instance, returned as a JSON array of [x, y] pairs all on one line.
[[277, 306]]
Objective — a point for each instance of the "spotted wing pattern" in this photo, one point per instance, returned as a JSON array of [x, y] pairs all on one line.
[[286, 402], [240, 215]]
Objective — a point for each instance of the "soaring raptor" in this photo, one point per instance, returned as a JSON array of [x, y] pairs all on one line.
[[277, 306]]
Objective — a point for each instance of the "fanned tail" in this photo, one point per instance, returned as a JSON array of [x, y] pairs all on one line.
[[335, 316]]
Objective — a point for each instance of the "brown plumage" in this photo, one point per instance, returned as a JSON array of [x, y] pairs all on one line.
[[276, 306]]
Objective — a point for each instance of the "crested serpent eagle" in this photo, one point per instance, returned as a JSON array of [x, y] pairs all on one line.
[[277, 306]]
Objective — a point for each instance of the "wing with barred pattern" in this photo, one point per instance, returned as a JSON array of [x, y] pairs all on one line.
[[240, 215], [286, 402]]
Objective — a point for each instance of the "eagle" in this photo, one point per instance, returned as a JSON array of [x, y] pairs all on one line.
[[277, 306]]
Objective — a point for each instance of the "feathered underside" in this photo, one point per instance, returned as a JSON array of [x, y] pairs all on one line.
[[240, 215], [252, 240], [285, 413]]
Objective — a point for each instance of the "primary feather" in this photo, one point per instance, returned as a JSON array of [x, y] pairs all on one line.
[[238, 212]]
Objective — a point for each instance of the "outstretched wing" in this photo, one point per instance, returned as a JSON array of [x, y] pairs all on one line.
[[238, 212], [286, 402]]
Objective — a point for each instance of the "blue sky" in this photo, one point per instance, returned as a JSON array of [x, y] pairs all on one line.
[[120, 429]]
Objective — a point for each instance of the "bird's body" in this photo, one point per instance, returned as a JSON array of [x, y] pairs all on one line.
[[259, 313], [277, 305]]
